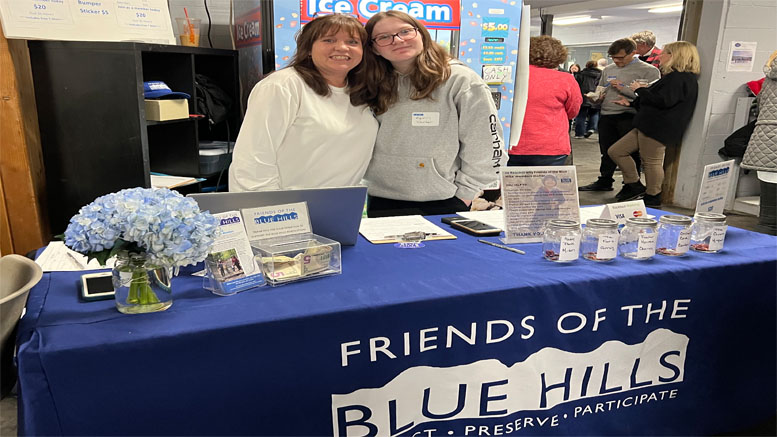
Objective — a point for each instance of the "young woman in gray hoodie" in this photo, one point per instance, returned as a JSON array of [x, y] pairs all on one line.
[[440, 139]]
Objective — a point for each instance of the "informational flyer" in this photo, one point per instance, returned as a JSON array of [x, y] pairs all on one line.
[[88, 20], [277, 221], [534, 195], [741, 56], [714, 187], [231, 261]]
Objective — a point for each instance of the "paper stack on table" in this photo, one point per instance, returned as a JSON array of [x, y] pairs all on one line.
[[59, 258], [391, 229]]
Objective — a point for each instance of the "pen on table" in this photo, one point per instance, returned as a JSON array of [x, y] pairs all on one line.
[[75, 260], [502, 246]]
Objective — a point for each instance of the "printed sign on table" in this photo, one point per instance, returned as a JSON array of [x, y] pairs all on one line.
[[534, 195], [622, 210], [502, 398], [231, 259], [276, 221], [714, 187], [88, 20]]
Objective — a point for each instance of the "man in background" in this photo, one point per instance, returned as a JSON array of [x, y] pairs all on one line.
[[646, 47], [615, 120]]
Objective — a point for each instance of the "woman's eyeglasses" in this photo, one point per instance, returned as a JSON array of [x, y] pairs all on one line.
[[387, 39]]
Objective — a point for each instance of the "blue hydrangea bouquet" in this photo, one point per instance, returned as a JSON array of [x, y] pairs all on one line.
[[150, 231]]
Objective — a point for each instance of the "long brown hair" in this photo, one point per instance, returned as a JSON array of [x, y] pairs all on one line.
[[318, 28], [379, 89]]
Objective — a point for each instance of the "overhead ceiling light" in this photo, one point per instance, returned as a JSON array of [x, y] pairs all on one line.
[[666, 9], [573, 20]]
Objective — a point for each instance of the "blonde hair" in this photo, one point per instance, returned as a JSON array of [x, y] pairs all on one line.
[[685, 58], [771, 59]]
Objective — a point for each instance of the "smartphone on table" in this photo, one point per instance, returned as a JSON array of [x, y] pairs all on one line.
[[97, 286], [472, 227]]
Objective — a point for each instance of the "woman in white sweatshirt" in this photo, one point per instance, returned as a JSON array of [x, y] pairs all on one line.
[[302, 129]]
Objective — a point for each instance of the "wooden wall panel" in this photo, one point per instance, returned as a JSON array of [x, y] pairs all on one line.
[[22, 179]]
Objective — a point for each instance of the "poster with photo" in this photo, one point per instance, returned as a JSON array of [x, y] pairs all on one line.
[[741, 56], [534, 195]]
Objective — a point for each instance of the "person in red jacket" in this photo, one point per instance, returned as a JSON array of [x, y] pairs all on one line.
[[554, 98]]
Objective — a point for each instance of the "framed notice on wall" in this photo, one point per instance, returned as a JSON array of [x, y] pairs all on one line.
[[88, 20]]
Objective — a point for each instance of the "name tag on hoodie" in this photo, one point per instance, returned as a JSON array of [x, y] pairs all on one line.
[[424, 119]]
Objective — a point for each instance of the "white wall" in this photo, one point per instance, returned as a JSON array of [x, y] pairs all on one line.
[[723, 21], [219, 15], [606, 32]]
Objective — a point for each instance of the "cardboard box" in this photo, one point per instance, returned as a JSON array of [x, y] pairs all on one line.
[[163, 110]]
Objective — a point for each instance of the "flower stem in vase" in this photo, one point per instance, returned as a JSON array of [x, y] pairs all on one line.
[[143, 288]]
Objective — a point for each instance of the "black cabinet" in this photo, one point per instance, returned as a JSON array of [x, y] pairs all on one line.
[[94, 133]]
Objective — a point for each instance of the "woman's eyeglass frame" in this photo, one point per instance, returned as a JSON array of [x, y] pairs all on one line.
[[407, 37]]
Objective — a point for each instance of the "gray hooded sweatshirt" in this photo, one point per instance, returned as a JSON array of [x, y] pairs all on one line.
[[436, 148]]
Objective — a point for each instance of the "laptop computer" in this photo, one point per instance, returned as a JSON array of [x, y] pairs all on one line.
[[334, 212]]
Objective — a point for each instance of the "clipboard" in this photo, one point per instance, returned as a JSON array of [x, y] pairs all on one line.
[[382, 230]]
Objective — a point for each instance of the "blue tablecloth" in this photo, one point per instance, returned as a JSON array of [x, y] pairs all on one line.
[[456, 338]]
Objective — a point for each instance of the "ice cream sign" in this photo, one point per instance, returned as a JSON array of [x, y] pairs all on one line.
[[435, 14]]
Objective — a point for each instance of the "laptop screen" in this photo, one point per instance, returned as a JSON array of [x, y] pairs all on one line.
[[334, 212]]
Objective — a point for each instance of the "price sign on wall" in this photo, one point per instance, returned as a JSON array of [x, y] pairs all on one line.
[[495, 27], [88, 20]]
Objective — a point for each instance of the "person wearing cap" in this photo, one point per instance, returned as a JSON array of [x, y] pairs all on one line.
[[301, 129]]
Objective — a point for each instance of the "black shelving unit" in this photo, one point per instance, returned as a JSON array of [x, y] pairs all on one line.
[[94, 133]]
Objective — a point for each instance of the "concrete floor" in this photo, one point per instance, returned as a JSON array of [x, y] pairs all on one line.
[[586, 158], [8, 417]]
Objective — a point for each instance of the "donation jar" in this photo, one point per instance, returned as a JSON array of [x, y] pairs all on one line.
[[708, 232], [674, 235], [600, 240], [638, 238], [561, 241]]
